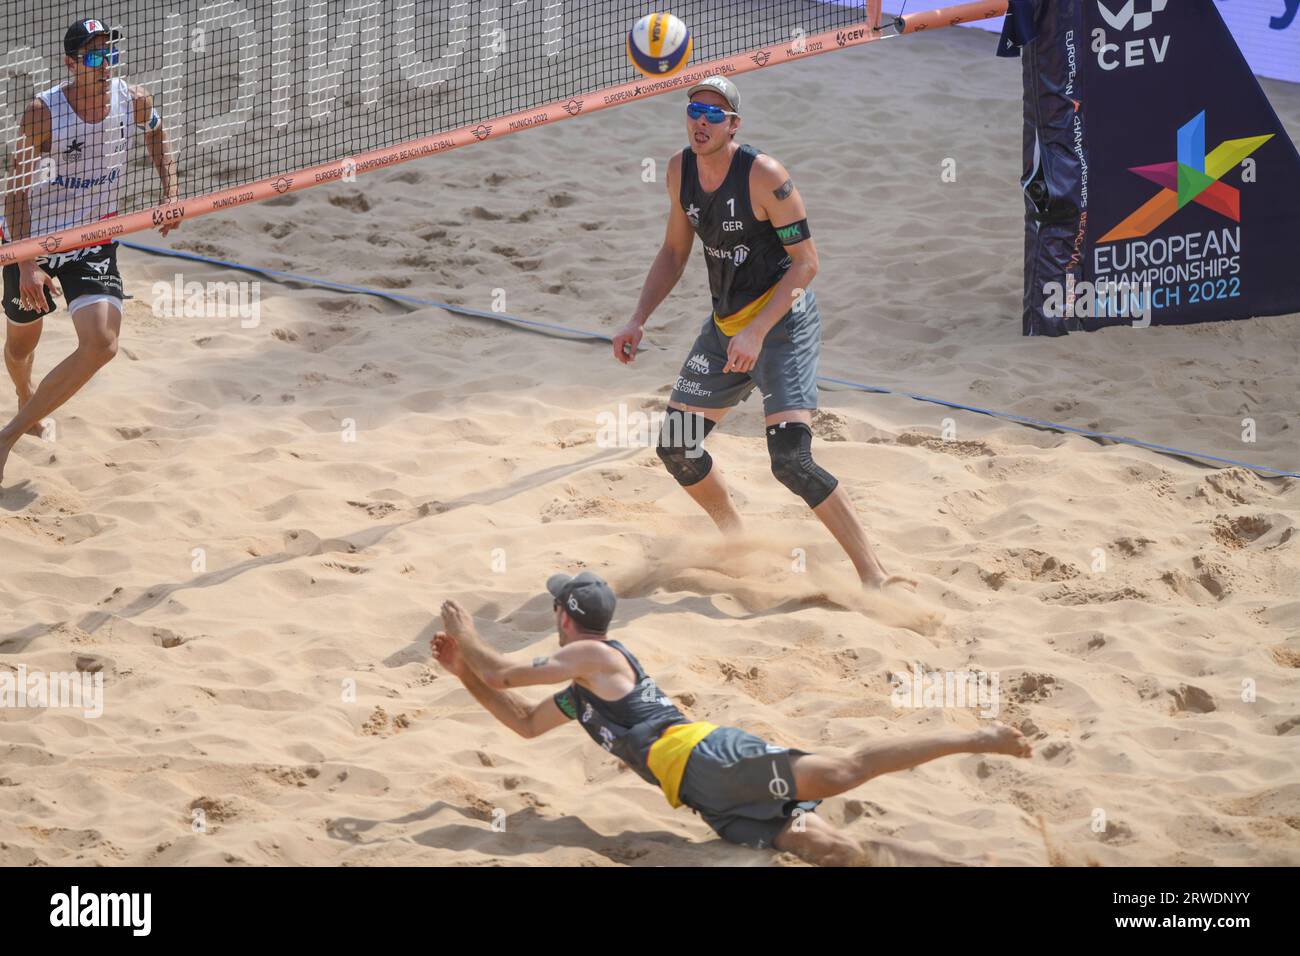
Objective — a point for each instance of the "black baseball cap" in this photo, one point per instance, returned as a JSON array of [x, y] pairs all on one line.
[[83, 30], [587, 598]]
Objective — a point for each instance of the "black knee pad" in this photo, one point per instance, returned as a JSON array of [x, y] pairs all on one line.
[[681, 446], [790, 447]]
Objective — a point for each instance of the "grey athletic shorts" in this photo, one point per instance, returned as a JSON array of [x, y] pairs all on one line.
[[742, 786], [786, 373]]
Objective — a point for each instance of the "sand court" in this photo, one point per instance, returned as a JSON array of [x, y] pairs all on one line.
[[248, 531]]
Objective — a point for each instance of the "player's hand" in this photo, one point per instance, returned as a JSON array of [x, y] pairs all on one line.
[[446, 650], [174, 224], [626, 342], [33, 283], [742, 351]]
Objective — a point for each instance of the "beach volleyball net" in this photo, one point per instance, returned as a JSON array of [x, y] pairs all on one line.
[[261, 97]]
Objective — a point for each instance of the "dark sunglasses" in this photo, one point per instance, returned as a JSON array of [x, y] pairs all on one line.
[[714, 114], [97, 58]]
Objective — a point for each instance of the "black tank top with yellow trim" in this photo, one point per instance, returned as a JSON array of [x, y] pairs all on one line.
[[626, 727], [745, 257]]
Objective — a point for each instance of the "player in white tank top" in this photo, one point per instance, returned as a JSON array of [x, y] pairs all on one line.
[[70, 166], [88, 162]]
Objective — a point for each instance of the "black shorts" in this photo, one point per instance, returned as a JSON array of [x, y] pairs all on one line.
[[81, 272], [743, 787]]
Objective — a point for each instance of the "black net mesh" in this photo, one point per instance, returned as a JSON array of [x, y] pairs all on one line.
[[252, 89]]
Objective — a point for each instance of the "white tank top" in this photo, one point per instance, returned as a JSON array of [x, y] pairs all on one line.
[[89, 162]]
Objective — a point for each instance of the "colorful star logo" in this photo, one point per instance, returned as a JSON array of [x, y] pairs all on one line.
[[1195, 177]]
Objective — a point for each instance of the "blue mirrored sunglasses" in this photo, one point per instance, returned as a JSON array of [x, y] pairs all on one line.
[[714, 114], [96, 58]]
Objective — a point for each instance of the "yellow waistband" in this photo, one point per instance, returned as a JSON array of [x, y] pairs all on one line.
[[668, 755], [733, 323]]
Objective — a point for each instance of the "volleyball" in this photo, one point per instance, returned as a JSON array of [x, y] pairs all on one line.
[[659, 45]]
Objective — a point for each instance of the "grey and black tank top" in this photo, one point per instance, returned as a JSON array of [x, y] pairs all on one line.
[[626, 727], [745, 256]]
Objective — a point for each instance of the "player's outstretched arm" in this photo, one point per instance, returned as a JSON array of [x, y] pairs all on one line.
[[525, 718], [665, 272]]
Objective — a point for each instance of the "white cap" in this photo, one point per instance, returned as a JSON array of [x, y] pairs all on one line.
[[722, 85]]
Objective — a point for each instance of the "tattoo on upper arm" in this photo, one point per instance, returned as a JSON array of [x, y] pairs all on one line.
[[786, 189], [541, 661]]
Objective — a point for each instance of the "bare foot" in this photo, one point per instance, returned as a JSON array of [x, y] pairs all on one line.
[[998, 738], [891, 580], [457, 620], [25, 396]]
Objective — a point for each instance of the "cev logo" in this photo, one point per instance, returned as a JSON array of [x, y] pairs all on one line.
[[1128, 14], [1133, 53]]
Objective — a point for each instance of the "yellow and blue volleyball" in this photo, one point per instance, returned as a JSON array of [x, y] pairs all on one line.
[[659, 45]]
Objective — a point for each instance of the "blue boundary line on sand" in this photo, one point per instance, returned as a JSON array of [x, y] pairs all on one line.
[[1194, 456]]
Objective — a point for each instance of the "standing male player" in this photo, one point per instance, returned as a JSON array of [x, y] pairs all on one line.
[[69, 168], [765, 330], [749, 791]]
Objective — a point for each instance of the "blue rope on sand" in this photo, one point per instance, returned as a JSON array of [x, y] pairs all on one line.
[[1193, 456]]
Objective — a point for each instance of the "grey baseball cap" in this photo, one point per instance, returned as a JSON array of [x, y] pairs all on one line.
[[719, 84], [587, 598]]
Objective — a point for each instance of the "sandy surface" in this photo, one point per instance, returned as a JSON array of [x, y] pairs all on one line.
[[475, 473]]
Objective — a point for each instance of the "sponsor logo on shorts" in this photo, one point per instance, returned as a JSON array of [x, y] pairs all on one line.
[[99, 268], [607, 738], [698, 363], [687, 387], [778, 786], [587, 712], [63, 258]]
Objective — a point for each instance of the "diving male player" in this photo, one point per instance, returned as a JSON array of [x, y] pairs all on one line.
[[70, 164], [765, 330], [749, 791]]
